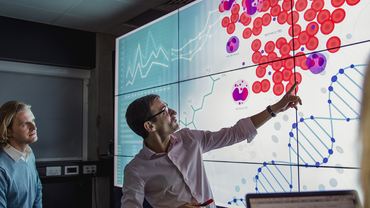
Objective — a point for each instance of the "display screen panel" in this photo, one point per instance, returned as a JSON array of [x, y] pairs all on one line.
[[230, 59]]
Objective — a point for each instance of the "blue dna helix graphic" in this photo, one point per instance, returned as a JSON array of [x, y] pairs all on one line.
[[316, 134]]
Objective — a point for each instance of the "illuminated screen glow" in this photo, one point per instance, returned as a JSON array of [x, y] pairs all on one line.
[[215, 62]]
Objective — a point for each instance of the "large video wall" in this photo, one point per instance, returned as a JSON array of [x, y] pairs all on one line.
[[215, 62]]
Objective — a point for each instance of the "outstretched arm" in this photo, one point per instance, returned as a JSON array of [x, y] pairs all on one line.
[[288, 101]]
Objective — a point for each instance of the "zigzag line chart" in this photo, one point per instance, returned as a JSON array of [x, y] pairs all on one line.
[[139, 64], [317, 135], [186, 124]]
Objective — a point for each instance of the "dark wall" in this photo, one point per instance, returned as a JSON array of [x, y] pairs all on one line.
[[38, 43]]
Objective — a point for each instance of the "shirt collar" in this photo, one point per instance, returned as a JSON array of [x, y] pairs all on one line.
[[149, 154], [16, 155]]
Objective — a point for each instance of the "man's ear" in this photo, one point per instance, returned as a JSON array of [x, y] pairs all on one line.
[[149, 126], [9, 132]]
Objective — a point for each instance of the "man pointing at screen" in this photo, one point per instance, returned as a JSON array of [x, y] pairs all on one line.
[[169, 170]]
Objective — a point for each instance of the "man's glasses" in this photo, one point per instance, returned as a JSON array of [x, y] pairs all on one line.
[[165, 109]]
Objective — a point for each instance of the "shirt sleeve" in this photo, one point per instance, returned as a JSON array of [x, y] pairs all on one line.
[[133, 190], [242, 130], [38, 199], [3, 189]]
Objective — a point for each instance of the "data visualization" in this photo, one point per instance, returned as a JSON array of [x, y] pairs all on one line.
[[215, 62]]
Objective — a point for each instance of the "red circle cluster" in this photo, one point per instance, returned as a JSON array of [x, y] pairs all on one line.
[[320, 20]]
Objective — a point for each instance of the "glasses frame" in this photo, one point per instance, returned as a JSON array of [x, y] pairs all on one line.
[[165, 109]]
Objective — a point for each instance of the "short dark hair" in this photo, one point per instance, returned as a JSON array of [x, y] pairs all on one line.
[[138, 112]]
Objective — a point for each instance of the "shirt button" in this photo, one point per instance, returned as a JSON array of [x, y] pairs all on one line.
[[186, 178], [194, 193]]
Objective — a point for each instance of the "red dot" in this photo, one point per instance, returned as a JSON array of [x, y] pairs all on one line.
[[272, 57], [221, 8], [317, 5], [264, 61], [301, 5], [323, 15], [275, 11], [312, 43], [312, 28], [285, 49], [245, 20], [289, 63], [287, 5], [235, 9], [303, 38], [277, 64], [309, 15], [327, 27], [352, 2], [256, 45], [265, 85], [295, 77], [260, 71], [286, 74], [333, 44], [256, 87], [231, 28], [234, 18], [296, 45], [338, 15], [282, 17], [270, 46], [257, 22], [295, 17], [256, 31], [280, 42], [273, 2], [337, 3], [277, 77], [295, 30], [266, 19], [303, 63], [247, 33], [265, 6], [278, 89], [225, 22], [298, 58], [256, 57]]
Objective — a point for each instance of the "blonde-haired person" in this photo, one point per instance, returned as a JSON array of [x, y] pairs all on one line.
[[20, 185]]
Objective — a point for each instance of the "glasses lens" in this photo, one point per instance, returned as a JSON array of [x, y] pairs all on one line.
[[166, 110]]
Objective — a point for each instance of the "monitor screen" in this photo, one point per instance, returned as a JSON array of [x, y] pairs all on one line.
[[215, 62]]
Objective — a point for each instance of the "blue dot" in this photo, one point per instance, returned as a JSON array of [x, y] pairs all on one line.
[[321, 187], [256, 177], [234, 200], [325, 160], [332, 140], [291, 134], [273, 162], [304, 187], [348, 119], [244, 181], [329, 101], [352, 66], [274, 19], [330, 151], [243, 63], [269, 73], [317, 164], [256, 189], [239, 20], [341, 71], [330, 88], [259, 169], [294, 126], [291, 186], [302, 49], [289, 145], [229, 202], [306, 165], [334, 78], [264, 163], [237, 188], [301, 120], [262, 51], [313, 27], [312, 117]]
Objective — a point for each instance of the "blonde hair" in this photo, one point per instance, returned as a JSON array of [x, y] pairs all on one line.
[[7, 113], [365, 136]]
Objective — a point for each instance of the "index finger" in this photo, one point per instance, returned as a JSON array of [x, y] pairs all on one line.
[[292, 88]]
